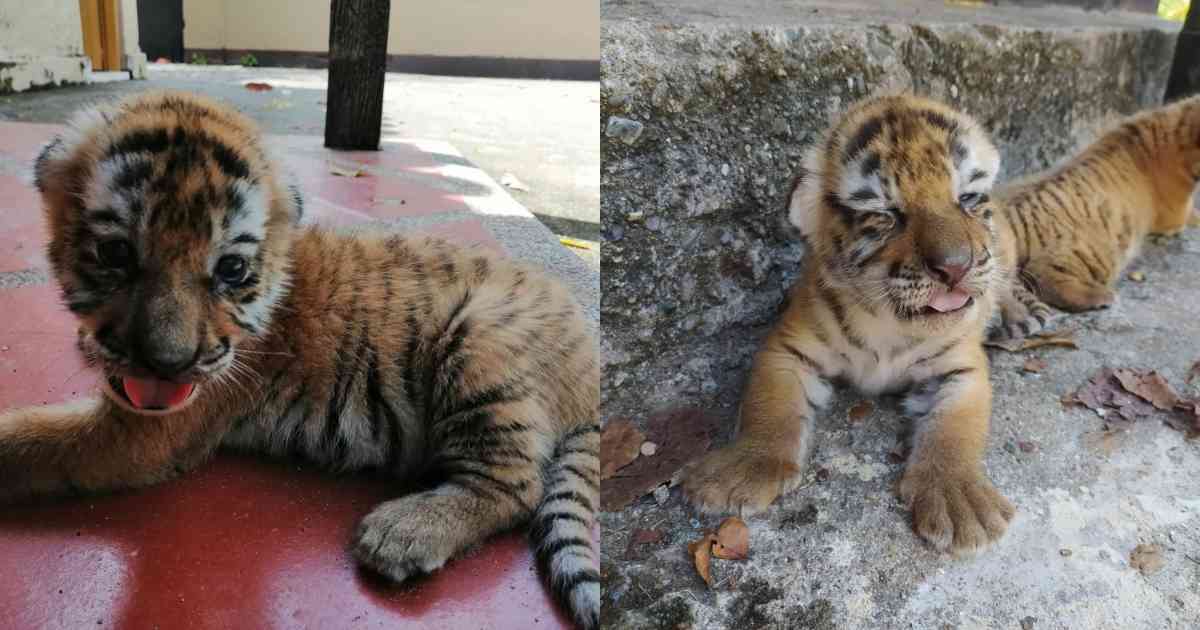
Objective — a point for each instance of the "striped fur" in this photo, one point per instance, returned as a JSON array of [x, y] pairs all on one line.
[[898, 186], [1070, 231], [355, 350]]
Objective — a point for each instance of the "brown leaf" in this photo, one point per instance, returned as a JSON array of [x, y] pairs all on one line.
[[255, 86], [1027, 447], [733, 540], [1105, 395], [682, 434], [701, 551], [1193, 373], [1033, 365], [1148, 385], [1186, 418], [1147, 558], [345, 171], [1065, 339], [640, 537], [861, 410], [620, 442]]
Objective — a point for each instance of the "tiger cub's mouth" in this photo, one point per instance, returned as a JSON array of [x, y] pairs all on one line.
[[149, 396], [943, 302]]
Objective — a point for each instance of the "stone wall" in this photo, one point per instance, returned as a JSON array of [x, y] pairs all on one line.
[[705, 121]]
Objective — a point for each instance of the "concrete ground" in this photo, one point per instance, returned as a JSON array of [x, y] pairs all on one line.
[[839, 553], [545, 133]]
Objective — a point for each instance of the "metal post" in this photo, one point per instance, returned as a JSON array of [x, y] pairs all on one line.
[[1184, 79]]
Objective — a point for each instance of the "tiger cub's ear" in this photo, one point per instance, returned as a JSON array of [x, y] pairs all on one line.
[[44, 171], [804, 202]]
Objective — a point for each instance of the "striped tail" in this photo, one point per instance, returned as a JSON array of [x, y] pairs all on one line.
[[562, 527]]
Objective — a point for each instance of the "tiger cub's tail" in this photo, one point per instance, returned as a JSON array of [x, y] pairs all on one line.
[[562, 526]]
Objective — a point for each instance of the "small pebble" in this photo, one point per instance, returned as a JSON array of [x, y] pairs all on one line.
[[662, 494], [1137, 276], [649, 449], [1066, 553], [1027, 447], [1027, 623], [635, 216], [822, 474]]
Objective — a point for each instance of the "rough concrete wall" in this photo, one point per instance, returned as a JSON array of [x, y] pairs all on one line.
[[706, 122], [41, 43], [132, 57], [534, 29]]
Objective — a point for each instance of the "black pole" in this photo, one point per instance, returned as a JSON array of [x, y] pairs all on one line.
[[1185, 69], [358, 32]]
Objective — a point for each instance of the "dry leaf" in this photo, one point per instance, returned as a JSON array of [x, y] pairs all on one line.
[[860, 411], [619, 444], [1186, 418], [256, 86], [1105, 395], [701, 552], [733, 540], [682, 434], [1027, 447], [1065, 339], [342, 171], [1034, 365], [640, 537], [1193, 373], [1147, 558], [1149, 385]]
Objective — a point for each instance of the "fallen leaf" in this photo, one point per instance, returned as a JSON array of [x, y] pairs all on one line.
[[343, 171], [1147, 558], [1064, 339], [898, 454], [1137, 276], [509, 180], [1033, 365], [733, 540], [1193, 373], [619, 444], [860, 411], [639, 538], [1027, 447], [257, 86], [1186, 418], [649, 449], [682, 434], [701, 552], [1148, 385], [1105, 395]]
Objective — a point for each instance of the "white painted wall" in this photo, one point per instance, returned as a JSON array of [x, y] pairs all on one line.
[[41, 42]]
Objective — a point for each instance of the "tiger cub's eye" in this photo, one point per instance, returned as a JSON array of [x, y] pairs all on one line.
[[232, 269], [970, 200]]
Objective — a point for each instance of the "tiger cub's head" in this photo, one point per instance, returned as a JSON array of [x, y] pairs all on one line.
[[169, 236], [894, 206]]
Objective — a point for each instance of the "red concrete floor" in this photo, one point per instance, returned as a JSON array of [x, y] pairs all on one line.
[[241, 542]]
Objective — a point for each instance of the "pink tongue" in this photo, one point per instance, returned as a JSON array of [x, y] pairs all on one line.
[[148, 393], [946, 301]]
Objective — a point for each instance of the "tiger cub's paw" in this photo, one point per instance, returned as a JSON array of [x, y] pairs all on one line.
[[1021, 319], [399, 540], [740, 480], [960, 512]]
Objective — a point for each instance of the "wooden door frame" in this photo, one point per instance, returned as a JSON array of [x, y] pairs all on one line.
[[101, 24]]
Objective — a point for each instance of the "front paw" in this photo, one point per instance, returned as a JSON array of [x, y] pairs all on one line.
[[1018, 321], [401, 541], [959, 512], [739, 479]]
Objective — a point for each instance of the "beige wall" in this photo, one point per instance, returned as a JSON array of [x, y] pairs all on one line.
[[535, 29]]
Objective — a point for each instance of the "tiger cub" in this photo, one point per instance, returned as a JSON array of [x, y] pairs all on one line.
[[899, 283], [1070, 231], [215, 320]]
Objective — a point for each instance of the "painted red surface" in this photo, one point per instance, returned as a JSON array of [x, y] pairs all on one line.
[[242, 542]]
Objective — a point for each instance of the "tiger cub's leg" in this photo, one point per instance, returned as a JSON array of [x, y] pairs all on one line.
[[490, 463], [1022, 313], [1077, 276], [774, 434], [954, 505], [95, 446]]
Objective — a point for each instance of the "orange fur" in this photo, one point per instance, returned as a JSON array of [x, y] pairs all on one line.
[[356, 350], [897, 188]]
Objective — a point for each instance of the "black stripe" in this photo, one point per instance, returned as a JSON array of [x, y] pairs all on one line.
[[870, 164], [867, 132], [839, 315], [937, 355], [945, 376], [863, 194], [803, 358], [547, 518], [588, 477], [846, 213], [246, 238], [243, 325], [558, 545], [505, 488], [977, 175], [937, 119], [958, 152], [567, 583], [570, 495], [141, 140], [228, 160]]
